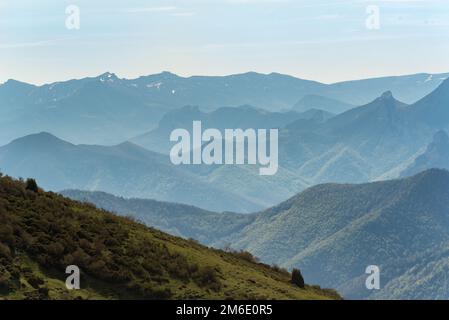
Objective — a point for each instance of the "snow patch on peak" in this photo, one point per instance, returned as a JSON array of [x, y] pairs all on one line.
[[429, 78], [109, 77], [156, 85]]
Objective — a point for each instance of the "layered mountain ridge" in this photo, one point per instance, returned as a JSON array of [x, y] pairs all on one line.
[[108, 110]]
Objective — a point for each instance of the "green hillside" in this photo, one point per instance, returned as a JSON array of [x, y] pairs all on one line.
[[41, 233], [331, 231], [180, 220]]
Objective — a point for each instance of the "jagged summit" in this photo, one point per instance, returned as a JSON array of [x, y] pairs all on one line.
[[387, 95], [387, 101], [108, 76]]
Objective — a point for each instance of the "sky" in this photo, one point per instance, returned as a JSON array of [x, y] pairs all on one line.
[[323, 40]]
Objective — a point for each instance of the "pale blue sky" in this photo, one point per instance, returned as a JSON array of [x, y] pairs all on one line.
[[324, 40]]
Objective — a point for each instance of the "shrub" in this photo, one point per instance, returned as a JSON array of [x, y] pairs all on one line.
[[6, 233], [297, 278], [207, 277], [43, 292], [244, 255], [279, 269], [5, 251], [5, 280], [31, 185], [35, 281]]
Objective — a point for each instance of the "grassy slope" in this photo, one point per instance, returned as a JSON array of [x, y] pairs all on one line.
[[41, 233]]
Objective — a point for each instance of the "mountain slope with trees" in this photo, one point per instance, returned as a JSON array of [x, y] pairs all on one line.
[[42, 233], [332, 232], [176, 219], [435, 156]]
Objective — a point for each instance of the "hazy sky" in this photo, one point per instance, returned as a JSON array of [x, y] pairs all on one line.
[[324, 40]]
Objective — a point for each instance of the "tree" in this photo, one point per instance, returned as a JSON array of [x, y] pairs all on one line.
[[32, 185], [297, 278]]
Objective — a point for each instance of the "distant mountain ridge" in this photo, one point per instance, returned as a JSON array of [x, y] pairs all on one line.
[[242, 117], [323, 103], [371, 140], [433, 109], [358, 145], [108, 110], [408, 88], [124, 169], [99, 110], [363, 144], [435, 156]]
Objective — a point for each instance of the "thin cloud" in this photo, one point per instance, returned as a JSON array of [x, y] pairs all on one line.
[[221, 46], [152, 9], [183, 14], [26, 44], [401, 1]]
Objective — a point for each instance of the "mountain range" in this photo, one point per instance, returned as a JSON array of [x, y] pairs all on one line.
[[109, 110], [243, 117], [125, 169], [366, 142], [312, 101], [332, 232], [95, 110], [341, 148], [376, 141]]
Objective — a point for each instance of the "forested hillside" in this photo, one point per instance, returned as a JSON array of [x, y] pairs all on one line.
[[42, 233]]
